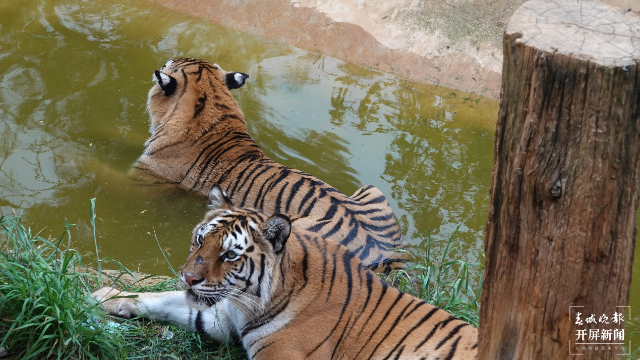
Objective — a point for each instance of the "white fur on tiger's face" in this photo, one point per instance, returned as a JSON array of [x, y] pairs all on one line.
[[227, 259], [199, 137]]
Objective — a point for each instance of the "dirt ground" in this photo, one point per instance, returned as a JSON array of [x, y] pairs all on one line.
[[451, 43]]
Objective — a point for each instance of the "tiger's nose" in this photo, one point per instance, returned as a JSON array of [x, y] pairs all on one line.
[[192, 280]]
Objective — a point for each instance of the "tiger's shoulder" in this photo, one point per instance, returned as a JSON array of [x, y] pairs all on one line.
[[362, 316]]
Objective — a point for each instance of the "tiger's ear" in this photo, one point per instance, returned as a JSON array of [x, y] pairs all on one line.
[[167, 83], [218, 199], [235, 80], [277, 229]]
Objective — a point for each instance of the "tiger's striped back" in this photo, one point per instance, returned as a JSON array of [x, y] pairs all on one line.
[[199, 137], [313, 299]]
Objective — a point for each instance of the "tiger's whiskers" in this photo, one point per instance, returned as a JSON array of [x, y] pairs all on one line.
[[245, 302]]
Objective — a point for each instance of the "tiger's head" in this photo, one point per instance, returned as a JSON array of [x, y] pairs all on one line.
[[231, 253], [183, 86]]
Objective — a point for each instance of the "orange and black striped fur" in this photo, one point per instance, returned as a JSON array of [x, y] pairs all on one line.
[[199, 137], [289, 294]]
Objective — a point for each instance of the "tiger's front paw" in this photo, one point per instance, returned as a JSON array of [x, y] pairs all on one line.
[[110, 299]]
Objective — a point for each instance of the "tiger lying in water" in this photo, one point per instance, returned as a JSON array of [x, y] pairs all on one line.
[[199, 137], [290, 294]]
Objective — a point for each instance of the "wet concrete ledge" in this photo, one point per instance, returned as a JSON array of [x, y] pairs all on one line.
[[453, 43]]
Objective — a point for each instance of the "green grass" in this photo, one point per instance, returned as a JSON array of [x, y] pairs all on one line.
[[452, 285], [46, 311], [43, 304], [633, 335]]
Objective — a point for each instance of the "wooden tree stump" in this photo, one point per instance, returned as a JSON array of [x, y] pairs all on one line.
[[564, 189]]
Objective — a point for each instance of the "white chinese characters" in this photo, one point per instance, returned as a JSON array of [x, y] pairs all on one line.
[[600, 334]]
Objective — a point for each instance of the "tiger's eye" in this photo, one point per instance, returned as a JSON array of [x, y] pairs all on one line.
[[199, 240], [230, 255]]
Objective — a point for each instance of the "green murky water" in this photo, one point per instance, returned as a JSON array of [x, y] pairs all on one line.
[[73, 82]]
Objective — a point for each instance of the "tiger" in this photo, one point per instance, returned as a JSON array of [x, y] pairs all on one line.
[[199, 137], [288, 293]]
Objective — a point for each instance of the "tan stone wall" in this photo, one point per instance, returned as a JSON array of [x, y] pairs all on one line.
[[452, 43]]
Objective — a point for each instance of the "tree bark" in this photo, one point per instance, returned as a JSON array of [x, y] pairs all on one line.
[[564, 190]]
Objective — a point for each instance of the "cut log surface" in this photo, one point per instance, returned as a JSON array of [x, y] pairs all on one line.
[[564, 190], [585, 30]]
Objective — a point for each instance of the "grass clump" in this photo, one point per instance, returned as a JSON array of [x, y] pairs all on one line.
[[447, 284], [46, 311], [43, 305]]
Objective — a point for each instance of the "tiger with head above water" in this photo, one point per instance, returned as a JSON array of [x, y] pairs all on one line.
[[288, 293], [199, 137]]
